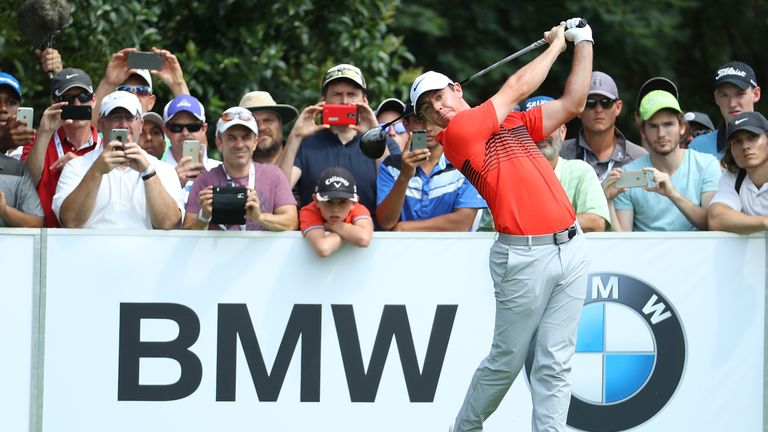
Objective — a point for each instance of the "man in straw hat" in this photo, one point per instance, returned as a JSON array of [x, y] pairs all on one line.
[[270, 117]]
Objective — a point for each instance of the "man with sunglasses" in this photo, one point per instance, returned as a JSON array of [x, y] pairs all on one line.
[[388, 110], [118, 185], [59, 141], [600, 143]]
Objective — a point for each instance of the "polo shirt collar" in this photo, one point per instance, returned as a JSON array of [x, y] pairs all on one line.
[[619, 146]]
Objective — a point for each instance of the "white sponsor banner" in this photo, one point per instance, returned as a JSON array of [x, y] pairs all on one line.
[[317, 332], [17, 326]]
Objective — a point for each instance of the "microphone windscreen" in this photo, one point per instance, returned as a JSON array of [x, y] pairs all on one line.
[[38, 19]]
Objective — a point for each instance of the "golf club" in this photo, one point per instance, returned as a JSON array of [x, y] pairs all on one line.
[[374, 141]]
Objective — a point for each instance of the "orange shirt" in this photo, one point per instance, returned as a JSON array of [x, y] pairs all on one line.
[[310, 217], [508, 170]]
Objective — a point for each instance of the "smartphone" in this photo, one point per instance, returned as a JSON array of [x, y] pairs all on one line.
[[76, 112], [192, 149], [144, 60], [340, 114], [632, 179], [418, 140], [26, 114], [120, 135]]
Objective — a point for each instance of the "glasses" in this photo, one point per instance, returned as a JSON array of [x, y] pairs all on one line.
[[242, 115], [178, 127], [83, 97], [138, 90], [604, 102], [399, 128]]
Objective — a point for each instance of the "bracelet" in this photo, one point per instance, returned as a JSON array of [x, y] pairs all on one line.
[[201, 217], [148, 173]]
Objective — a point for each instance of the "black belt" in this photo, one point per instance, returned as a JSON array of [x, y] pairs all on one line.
[[557, 238]]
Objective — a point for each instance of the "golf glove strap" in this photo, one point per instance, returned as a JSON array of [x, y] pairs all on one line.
[[577, 34]]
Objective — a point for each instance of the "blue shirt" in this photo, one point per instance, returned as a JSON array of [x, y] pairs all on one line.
[[708, 143], [441, 192], [324, 150], [698, 173]]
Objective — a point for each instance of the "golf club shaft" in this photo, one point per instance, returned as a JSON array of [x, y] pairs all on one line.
[[525, 50]]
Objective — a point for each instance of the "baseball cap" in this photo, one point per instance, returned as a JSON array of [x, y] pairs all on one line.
[[656, 83], [425, 82], [700, 118], [391, 104], [69, 78], [336, 182], [263, 101], [153, 117], [144, 74], [749, 121], [186, 103], [604, 85], [736, 73], [120, 99], [10, 81], [344, 70], [655, 101], [535, 101], [236, 116]]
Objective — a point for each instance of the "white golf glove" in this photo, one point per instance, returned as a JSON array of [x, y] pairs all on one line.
[[577, 34]]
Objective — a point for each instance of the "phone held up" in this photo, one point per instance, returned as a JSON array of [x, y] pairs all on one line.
[[145, 60], [192, 149], [633, 179], [418, 140], [120, 135], [26, 114], [76, 112], [339, 114]]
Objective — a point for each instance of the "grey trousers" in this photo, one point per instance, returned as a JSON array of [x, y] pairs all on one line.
[[539, 293]]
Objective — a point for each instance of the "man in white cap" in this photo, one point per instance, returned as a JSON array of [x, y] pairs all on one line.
[[269, 204], [118, 185], [270, 117], [539, 262]]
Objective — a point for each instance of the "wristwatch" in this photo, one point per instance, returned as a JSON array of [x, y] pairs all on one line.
[[201, 217], [148, 173]]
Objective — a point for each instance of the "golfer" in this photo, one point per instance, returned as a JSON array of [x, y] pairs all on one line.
[[539, 261]]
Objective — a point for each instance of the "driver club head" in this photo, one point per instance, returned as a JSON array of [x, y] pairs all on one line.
[[373, 142]]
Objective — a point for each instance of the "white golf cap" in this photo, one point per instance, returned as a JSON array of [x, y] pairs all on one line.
[[144, 74], [425, 82], [120, 99], [236, 116]]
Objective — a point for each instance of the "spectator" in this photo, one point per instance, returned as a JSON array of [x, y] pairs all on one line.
[[184, 119], [270, 205], [13, 133], [698, 124], [741, 202], [152, 138], [19, 204], [59, 141], [312, 148], [684, 180], [655, 83], [389, 110], [270, 118], [600, 143], [736, 91], [118, 185], [334, 215], [421, 191]]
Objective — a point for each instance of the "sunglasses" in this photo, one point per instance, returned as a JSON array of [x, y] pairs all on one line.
[[138, 90], [242, 115], [178, 127], [83, 97], [399, 128], [604, 102]]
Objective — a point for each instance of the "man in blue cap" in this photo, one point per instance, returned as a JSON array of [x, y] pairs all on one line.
[[13, 133]]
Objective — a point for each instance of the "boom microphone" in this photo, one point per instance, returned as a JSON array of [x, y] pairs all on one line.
[[40, 20]]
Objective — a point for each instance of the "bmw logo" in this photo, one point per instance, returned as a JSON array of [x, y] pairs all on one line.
[[630, 355]]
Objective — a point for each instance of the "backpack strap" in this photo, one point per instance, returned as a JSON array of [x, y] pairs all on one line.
[[740, 179]]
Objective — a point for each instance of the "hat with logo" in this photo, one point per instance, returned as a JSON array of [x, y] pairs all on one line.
[[602, 84], [263, 101], [425, 82], [336, 182], [656, 83], [120, 99], [391, 104], [736, 73], [700, 118], [346, 71], [10, 81], [535, 101], [236, 116], [747, 121], [69, 78], [655, 101], [186, 103]]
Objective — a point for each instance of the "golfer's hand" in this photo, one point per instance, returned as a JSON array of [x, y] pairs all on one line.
[[577, 34], [556, 37]]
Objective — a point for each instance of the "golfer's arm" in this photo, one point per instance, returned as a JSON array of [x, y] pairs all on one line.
[[723, 218], [571, 103]]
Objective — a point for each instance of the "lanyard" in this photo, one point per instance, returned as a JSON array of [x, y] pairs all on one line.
[[60, 148], [611, 162], [251, 185]]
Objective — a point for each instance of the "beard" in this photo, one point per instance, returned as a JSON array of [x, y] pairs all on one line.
[[267, 147]]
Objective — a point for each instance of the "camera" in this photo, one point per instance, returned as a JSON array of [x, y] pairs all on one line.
[[229, 205], [340, 114]]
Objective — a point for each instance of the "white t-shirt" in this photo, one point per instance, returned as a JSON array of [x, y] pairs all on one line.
[[749, 200], [121, 201]]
